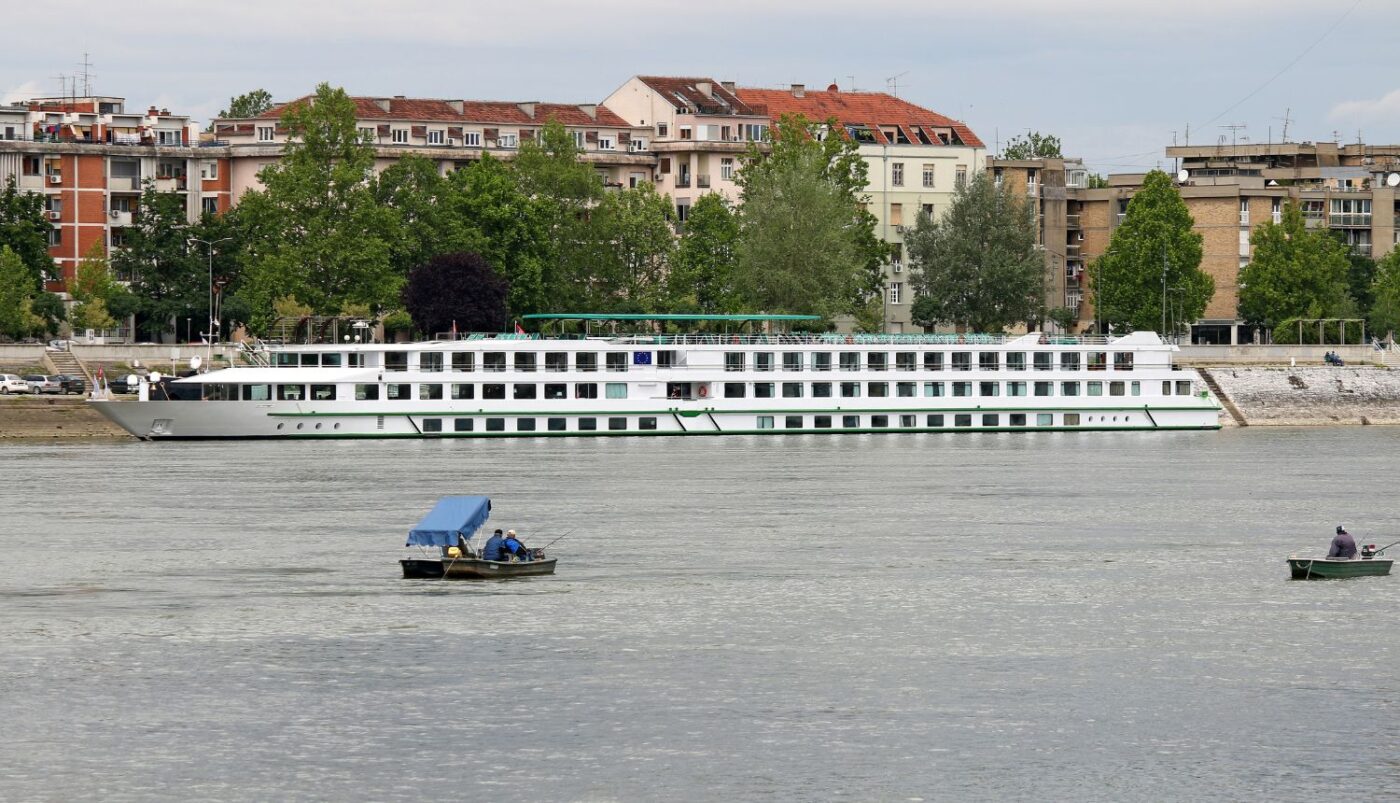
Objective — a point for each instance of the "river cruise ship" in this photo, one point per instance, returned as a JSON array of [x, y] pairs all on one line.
[[648, 383]]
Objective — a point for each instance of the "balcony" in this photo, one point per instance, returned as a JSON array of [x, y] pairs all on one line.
[[682, 182], [1072, 222], [702, 181], [1364, 249], [1072, 250], [118, 218], [1349, 220]]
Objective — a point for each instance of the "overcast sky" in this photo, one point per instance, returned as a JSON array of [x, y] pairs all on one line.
[[1113, 78]]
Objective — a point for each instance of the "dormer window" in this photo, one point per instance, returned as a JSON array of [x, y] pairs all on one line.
[[265, 133], [399, 136]]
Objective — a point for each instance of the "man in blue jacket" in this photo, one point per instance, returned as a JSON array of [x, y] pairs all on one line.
[[495, 548], [1343, 546], [514, 547]]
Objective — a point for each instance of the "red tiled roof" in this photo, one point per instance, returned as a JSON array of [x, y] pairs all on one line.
[[474, 111], [678, 91], [870, 109]]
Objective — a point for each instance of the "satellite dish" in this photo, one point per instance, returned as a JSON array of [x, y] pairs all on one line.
[[1392, 180], [195, 362], [1182, 176]]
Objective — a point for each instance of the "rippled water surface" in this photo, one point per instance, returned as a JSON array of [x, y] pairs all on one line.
[[969, 617]]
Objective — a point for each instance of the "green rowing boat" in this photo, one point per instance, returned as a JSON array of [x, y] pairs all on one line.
[[1337, 568]]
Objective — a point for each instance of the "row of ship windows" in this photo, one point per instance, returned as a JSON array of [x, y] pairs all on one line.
[[648, 423], [682, 390], [558, 361]]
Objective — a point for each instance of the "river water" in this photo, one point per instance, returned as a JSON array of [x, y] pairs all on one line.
[[969, 617]]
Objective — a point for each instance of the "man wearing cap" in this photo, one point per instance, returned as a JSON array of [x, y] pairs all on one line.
[[514, 547], [1343, 546], [495, 548]]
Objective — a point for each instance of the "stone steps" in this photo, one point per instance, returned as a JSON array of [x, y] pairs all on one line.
[[1220, 394]]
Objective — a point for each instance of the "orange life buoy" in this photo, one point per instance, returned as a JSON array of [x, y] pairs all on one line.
[[704, 391]]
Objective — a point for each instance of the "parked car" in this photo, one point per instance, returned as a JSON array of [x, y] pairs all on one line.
[[10, 383], [38, 383], [122, 384], [76, 385]]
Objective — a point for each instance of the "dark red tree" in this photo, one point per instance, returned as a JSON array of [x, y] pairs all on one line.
[[456, 288]]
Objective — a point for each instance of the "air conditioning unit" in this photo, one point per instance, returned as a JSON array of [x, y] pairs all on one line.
[[901, 229], [54, 214], [55, 178], [451, 142], [114, 214]]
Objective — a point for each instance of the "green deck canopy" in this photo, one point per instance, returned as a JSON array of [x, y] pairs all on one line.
[[635, 316]]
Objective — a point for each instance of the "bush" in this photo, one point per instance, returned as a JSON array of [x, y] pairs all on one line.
[[1286, 333]]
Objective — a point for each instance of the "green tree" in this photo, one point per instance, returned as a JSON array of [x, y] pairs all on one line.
[[1097, 182], [806, 242], [977, 266], [414, 190], [636, 239], [1034, 145], [250, 104], [508, 228], [702, 277], [24, 229], [168, 276], [17, 317], [95, 292], [1295, 273], [316, 231], [1154, 248], [1385, 310], [550, 173], [1361, 278]]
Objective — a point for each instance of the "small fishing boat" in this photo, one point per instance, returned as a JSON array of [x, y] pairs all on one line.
[[1370, 564], [450, 527]]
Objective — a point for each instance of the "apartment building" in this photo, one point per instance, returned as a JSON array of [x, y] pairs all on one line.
[[699, 131], [916, 160], [89, 158], [452, 133]]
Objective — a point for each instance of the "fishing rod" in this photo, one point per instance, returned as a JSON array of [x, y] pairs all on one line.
[[1384, 548], [566, 535]]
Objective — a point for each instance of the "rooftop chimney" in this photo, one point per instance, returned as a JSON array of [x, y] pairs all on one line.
[[590, 109], [528, 108], [705, 88], [457, 106], [799, 90], [382, 103], [728, 85]]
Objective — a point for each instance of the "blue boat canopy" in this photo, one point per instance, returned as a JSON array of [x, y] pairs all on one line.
[[450, 517]]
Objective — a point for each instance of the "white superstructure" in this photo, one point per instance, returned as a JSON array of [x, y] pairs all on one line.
[[525, 385]]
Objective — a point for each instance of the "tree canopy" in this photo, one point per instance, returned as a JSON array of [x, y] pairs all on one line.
[[702, 277], [1034, 145], [977, 266], [249, 104], [25, 230], [458, 291], [17, 291], [1385, 310], [1295, 272], [1153, 257]]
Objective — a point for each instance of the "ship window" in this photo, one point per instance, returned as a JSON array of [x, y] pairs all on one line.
[[1018, 419], [330, 360], [556, 391], [934, 420], [907, 421], [617, 361], [493, 391], [495, 425], [429, 392], [850, 390], [1045, 388], [850, 421], [988, 361], [879, 420], [524, 360], [396, 361], [616, 390], [734, 361], [1071, 419], [1183, 387], [1069, 388], [366, 393], [1116, 388], [962, 420], [586, 361], [264, 392], [877, 361], [792, 422], [905, 361], [399, 391], [1069, 361], [587, 424], [765, 422], [1042, 361], [962, 388], [821, 361], [1122, 361], [291, 392], [665, 358], [991, 420], [989, 389], [763, 361], [463, 391], [323, 392], [821, 421], [523, 391], [933, 389], [617, 423], [524, 425], [850, 361], [493, 361], [463, 424], [1167, 388], [357, 360], [310, 360], [463, 361], [1136, 388], [586, 390], [962, 361], [557, 424], [763, 390], [285, 360], [432, 425], [792, 390], [792, 361], [877, 390], [556, 361], [1095, 388], [1098, 360], [646, 422], [430, 362], [821, 390], [1015, 388], [734, 390], [933, 361], [1015, 361], [1044, 419]]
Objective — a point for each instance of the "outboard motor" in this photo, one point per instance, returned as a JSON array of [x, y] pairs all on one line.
[[1368, 551]]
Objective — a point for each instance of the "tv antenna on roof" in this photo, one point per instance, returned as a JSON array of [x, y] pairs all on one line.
[[1286, 120], [1234, 129], [86, 75], [892, 83]]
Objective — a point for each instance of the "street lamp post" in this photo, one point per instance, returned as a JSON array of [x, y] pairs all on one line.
[[213, 323]]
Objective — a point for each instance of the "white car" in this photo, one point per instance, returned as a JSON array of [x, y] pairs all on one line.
[[11, 383]]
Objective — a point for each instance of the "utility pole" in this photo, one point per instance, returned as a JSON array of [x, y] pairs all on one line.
[[1164, 287]]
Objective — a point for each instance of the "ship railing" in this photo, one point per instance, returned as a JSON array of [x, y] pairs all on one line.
[[831, 339]]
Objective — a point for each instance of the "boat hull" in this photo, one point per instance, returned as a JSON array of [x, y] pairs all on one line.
[[1333, 569], [467, 569]]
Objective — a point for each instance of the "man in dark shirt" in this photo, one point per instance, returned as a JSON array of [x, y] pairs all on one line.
[[1343, 546], [495, 548]]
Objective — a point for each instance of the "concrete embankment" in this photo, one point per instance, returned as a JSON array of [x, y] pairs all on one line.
[[42, 417], [1310, 396]]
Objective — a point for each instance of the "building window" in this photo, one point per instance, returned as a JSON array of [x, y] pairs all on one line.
[[726, 169], [897, 174], [896, 215], [578, 137], [265, 133], [55, 236], [1277, 210], [960, 176], [1244, 211], [209, 206], [472, 139], [896, 292], [367, 135], [607, 144], [682, 212], [661, 129], [209, 169], [399, 136], [928, 175], [435, 137], [508, 140]]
